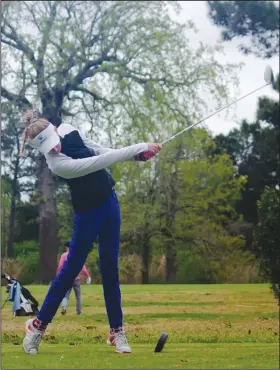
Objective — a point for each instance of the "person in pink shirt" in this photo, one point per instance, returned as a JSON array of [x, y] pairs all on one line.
[[76, 285]]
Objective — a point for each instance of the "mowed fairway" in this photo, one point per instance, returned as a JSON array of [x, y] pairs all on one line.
[[209, 326]]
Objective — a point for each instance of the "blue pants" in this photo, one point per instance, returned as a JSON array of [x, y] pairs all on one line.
[[104, 222]]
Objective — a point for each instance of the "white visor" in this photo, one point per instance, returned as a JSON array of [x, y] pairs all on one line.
[[46, 140]]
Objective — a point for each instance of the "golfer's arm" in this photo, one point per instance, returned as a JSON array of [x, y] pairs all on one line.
[[69, 168], [85, 272], [59, 267], [66, 128], [98, 149]]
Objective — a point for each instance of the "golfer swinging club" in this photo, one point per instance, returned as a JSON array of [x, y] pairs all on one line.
[[82, 162]]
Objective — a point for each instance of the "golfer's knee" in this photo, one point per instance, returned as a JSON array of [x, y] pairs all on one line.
[[110, 276]]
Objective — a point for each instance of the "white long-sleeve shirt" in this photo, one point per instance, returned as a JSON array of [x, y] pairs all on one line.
[[69, 168]]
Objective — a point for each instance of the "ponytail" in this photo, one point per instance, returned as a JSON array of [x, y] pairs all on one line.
[[31, 117]]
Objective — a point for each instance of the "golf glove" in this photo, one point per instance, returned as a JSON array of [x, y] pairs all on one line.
[[88, 280], [144, 156]]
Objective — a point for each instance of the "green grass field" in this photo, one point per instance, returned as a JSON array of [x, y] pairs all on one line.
[[209, 326]]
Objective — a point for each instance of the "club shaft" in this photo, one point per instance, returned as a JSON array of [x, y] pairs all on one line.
[[212, 114]]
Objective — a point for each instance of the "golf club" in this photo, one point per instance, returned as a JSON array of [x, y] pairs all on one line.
[[268, 77]]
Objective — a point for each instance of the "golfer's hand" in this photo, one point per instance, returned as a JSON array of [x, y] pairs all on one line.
[[145, 156], [154, 148], [88, 281]]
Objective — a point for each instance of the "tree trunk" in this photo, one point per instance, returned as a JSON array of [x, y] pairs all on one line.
[[11, 229], [145, 262], [171, 252], [47, 228], [171, 264], [3, 233], [47, 213]]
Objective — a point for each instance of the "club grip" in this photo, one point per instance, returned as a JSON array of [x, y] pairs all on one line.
[[145, 156]]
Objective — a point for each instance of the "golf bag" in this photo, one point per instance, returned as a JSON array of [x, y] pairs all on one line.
[[24, 304]]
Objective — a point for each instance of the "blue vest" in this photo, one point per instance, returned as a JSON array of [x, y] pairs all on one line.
[[91, 190]]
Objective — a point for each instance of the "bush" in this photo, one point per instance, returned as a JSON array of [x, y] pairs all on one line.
[[130, 269], [26, 248], [92, 264], [24, 266], [29, 272], [12, 267], [21, 268], [192, 269], [157, 269]]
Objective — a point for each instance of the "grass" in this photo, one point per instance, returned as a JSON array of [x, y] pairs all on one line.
[[179, 356], [209, 326]]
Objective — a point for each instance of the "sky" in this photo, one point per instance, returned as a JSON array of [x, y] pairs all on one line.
[[251, 75]]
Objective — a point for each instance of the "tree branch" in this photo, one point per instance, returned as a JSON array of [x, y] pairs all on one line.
[[91, 93], [88, 71], [20, 45], [31, 11], [21, 101], [66, 113], [42, 50]]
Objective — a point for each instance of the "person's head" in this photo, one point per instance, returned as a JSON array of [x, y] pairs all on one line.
[[40, 133], [67, 245]]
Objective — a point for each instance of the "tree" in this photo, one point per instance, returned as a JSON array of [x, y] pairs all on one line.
[[27, 221], [140, 211], [256, 20], [20, 171], [255, 150], [64, 215], [98, 63], [185, 200], [5, 207], [269, 112], [198, 197], [267, 237]]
